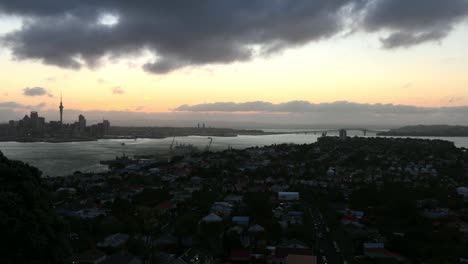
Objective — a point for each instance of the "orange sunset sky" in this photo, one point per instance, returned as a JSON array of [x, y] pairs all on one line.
[[342, 66]]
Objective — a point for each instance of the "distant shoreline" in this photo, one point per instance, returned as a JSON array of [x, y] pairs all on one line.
[[47, 140], [126, 137], [428, 131], [407, 131], [144, 132]]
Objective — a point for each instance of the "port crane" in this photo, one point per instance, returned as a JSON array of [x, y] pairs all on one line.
[[171, 147], [209, 144], [123, 149]]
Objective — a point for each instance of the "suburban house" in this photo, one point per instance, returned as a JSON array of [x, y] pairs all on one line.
[[288, 196]]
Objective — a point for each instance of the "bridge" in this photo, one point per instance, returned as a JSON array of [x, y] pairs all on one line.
[[326, 131]]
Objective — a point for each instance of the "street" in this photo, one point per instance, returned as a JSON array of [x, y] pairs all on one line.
[[328, 251]]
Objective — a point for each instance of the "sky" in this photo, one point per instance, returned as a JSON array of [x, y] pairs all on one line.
[[302, 62]]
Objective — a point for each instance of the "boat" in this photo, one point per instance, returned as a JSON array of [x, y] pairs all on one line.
[[118, 162]]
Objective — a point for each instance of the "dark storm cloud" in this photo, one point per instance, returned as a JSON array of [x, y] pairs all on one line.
[[184, 33], [407, 39], [35, 91], [178, 33], [415, 21]]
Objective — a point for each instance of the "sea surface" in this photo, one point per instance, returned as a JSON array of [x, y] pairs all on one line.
[[59, 159]]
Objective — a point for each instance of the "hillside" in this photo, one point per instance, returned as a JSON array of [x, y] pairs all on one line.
[[31, 232]]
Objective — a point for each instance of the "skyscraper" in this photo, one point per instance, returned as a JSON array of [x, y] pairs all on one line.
[[34, 117], [81, 123]]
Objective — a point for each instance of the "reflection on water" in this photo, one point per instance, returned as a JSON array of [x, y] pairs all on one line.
[[57, 159]]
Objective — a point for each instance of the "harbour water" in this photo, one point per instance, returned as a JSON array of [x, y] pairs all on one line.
[[58, 159]]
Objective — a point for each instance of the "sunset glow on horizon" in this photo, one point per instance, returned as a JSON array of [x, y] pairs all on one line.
[[353, 67]]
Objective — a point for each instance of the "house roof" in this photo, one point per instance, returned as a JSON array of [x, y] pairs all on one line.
[[240, 255], [301, 259], [288, 193], [293, 243], [295, 213], [212, 218], [222, 204], [114, 240], [284, 252], [256, 228], [236, 229], [192, 256], [243, 219], [121, 258], [349, 218], [240, 217], [233, 198], [90, 256], [381, 253], [166, 205]]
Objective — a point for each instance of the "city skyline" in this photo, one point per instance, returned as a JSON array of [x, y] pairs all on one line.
[[374, 54], [33, 127]]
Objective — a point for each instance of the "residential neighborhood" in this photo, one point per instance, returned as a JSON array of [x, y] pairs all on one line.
[[358, 200]]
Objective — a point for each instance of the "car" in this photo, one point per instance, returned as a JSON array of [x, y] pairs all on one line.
[[324, 260]]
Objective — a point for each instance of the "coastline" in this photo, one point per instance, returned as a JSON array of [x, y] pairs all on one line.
[[385, 134], [60, 159], [419, 135], [129, 138], [427, 131], [58, 140]]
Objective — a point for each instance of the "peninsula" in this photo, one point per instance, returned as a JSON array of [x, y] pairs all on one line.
[[428, 131]]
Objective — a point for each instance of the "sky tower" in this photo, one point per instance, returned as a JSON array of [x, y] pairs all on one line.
[[61, 109]]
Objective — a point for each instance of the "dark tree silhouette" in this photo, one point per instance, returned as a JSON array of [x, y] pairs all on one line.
[[30, 232]]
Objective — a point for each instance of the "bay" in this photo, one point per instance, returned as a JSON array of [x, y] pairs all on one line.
[[59, 159]]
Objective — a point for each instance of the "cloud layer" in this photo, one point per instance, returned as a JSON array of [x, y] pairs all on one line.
[[75, 34], [294, 114], [11, 105], [414, 22], [35, 91], [307, 107]]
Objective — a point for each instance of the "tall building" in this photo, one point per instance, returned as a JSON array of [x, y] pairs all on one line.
[[81, 123], [34, 116], [34, 121], [61, 110], [106, 126]]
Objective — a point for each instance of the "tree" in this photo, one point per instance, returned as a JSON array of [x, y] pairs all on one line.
[[186, 225], [30, 230]]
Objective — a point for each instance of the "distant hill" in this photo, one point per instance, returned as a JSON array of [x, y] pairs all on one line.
[[428, 131]]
